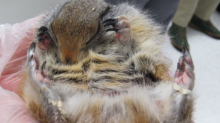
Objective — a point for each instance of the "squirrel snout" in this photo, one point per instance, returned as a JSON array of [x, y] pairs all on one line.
[[69, 57], [68, 61]]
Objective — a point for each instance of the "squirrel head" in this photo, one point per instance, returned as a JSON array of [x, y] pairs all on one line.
[[75, 25]]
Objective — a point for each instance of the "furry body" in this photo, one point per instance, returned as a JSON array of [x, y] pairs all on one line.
[[96, 75]]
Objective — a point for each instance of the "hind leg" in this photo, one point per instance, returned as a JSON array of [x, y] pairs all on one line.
[[182, 103], [184, 75], [38, 94]]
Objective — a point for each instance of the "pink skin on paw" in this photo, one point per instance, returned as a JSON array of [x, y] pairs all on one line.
[[45, 44], [41, 77], [123, 34], [184, 75]]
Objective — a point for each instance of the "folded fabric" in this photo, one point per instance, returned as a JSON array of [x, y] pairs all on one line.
[[14, 42]]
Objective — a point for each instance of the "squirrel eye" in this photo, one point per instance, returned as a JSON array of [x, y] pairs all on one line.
[[98, 30]]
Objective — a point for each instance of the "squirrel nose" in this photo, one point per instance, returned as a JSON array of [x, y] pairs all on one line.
[[68, 61], [68, 56]]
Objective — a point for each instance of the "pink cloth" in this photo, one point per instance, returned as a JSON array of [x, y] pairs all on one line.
[[14, 42]]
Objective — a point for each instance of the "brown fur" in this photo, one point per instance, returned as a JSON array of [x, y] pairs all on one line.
[[162, 72], [73, 18], [38, 113], [96, 78]]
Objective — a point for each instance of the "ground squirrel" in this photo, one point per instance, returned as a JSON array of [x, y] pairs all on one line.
[[93, 62]]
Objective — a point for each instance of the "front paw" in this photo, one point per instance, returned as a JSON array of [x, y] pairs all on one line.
[[37, 73], [121, 26], [44, 38]]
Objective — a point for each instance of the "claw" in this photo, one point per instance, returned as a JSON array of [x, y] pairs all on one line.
[[121, 26], [41, 39], [186, 56], [44, 38], [185, 50], [32, 59], [32, 46], [112, 29], [41, 34], [43, 29], [31, 51], [43, 72], [109, 22], [43, 65]]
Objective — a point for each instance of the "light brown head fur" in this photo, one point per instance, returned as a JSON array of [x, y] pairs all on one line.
[[75, 25]]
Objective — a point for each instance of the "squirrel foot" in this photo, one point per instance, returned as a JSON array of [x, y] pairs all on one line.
[[184, 75], [44, 38], [39, 78], [121, 26], [39, 75]]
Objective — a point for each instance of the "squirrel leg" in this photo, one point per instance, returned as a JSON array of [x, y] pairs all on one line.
[[48, 99], [33, 63], [121, 26], [182, 89], [184, 75]]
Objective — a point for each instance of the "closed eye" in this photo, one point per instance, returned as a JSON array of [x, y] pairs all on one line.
[[98, 30], [99, 26]]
